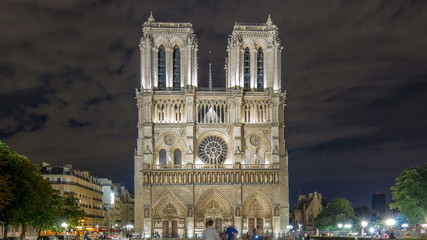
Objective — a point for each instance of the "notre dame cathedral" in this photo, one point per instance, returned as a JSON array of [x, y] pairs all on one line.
[[204, 154]]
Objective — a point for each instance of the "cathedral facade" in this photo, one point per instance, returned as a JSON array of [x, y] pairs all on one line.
[[204, 154]]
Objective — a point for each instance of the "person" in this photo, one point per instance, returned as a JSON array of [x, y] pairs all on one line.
[[210, 233], [231, 232], [86, 236]]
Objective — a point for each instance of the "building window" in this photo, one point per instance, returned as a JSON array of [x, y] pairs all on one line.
[[260, 70], [176, 69], [248, 156], [162, 68], [177, 157], [58, 180], [261, 157], [162, 157], [246, 69]]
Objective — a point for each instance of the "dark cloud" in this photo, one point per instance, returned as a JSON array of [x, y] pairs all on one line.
[[354, 71], [76, 124]]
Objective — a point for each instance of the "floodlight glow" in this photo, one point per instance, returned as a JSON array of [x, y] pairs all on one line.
[[340, 225], [347, 226], [390, 222], [405, 225], [112, 198], [64, 225], [364, 223], [371, 230], [289, 227]]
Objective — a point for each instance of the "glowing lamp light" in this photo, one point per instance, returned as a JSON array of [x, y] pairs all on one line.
[[340, 225], [364, 223], [289, 227], [390, 222], [348, 226], [405, 225], [371, 230], [64, 225]]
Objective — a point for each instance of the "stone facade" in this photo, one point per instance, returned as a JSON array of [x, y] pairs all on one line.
[[210, 154], [307, 210], [86, 188]]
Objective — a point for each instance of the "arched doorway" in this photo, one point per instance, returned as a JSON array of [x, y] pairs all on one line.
[[213, 204], [169, 216], [257, 213]]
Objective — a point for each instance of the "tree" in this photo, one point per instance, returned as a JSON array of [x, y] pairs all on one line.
[[363, 212], [410, 194], [335, 212], [6, 189], [61, 209], [31, 193]]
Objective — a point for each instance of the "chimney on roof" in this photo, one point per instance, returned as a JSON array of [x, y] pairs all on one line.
[[68, 166]]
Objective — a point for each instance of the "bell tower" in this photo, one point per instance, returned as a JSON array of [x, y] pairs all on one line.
[[254, 54], [168, 56]]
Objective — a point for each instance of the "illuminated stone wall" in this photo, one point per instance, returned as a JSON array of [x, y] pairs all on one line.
[[211, 154]]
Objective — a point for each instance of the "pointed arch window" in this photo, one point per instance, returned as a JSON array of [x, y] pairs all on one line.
[[162, 68], [261, 157], [176, 68], [162, 157], [246, 69], [248, 156], [177, 157], [260, 70]]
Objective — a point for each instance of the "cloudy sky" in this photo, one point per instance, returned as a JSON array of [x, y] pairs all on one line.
[[355, 73]]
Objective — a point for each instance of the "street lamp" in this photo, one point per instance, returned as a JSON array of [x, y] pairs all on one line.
[[340, 225], [363, 224], [64, 225], [390, 222]]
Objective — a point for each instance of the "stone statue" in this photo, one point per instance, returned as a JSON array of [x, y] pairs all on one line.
[[190, 212], [237, 212]]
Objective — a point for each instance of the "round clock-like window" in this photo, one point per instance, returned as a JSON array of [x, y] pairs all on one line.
[[213, 150]]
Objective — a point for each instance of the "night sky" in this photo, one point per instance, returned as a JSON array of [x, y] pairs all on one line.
[[355, 74]]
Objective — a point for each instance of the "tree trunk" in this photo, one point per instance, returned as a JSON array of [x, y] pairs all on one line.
[[6, 226], [24, 228]]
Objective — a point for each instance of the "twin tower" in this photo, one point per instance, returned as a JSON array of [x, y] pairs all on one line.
[[217, 155]]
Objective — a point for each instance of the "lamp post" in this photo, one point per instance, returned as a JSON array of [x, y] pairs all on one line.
[[390, 222], [363, 224], [64, 225], [340, 225]]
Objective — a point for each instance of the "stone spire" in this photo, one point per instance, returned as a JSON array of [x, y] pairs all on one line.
[[210, 74], [151, 18], [269, 22]]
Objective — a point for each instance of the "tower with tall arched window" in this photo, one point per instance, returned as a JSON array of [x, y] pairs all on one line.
[[210, 154]]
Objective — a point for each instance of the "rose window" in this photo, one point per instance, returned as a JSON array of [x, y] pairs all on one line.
[[213, 150]]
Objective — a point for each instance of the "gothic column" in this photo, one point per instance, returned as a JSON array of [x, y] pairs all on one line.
[[155, 67], [169, 67], [253, 68]]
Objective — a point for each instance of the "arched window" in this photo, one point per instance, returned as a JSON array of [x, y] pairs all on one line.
[[177, 157], [248, 156], [176, 69], [162, 68], [246, 69], [260, 70], [162, 157], [261, 157]]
